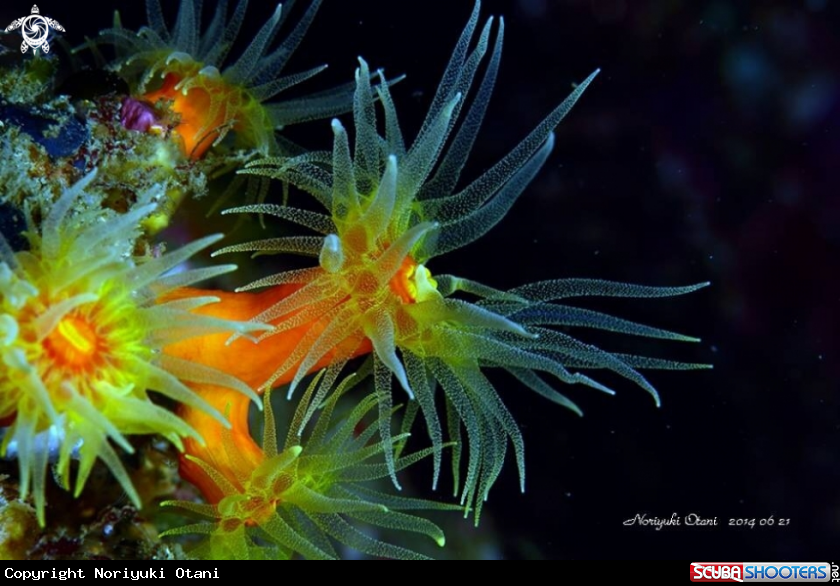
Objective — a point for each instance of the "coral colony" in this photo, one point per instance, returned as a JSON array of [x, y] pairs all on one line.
[[113, 365]]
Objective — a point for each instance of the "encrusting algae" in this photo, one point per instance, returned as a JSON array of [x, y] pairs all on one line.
[[103, 336]]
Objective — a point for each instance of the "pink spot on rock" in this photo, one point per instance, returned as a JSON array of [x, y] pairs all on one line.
[[138, 115]]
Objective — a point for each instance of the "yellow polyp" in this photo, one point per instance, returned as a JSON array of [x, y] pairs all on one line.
[[401, 282], [425, 287], [413, 282], [73, 343], [82, 340], [391, 207], [300, 499], [81, 335]]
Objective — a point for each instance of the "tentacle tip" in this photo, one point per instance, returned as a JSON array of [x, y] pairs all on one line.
[[522, 331], [135, 499]]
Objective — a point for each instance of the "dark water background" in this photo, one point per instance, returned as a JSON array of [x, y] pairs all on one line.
[[707, 150]]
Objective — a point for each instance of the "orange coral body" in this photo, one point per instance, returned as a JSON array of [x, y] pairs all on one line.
[[200, 124], [250, 362]]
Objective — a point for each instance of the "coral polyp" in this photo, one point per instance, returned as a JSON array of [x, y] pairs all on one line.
[[81, 333], [112, 361], [185, 69], [312, 493], [390, 210]]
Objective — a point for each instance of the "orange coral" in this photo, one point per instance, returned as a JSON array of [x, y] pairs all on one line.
[[253, 364], [196, 127], [207, 108], [212, 94], [80, 334]]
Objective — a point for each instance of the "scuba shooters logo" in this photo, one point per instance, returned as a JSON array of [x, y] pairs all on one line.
[[797, 572], [35, 30]]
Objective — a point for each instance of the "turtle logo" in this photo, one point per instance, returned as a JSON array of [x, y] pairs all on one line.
[[35, 30]]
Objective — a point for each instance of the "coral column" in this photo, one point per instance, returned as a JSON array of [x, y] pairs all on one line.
[[252, 362]]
